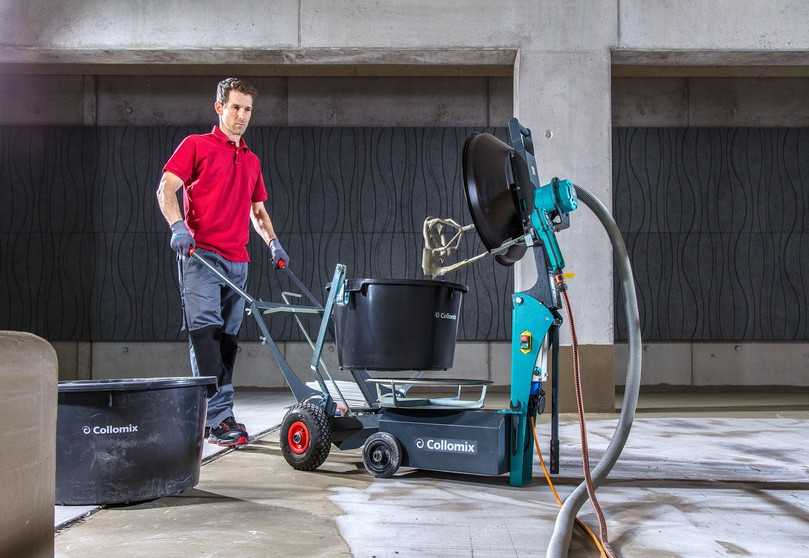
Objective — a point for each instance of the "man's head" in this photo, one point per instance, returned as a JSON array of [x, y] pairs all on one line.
[[234, 105]]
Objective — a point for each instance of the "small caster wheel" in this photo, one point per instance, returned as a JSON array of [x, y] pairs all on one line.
[[381, 455], [305, 436]]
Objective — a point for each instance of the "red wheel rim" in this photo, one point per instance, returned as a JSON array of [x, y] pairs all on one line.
[[298, 437]]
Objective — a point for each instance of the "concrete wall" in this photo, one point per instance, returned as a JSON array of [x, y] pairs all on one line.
[[714, 102], [561, 78], [149, 23], [714, 25], [559, 70]]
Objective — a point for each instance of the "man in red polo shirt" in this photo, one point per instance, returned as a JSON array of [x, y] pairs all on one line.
[[223, 189]]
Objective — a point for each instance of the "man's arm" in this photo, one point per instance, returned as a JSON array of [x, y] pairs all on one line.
[[167, 197], [263, 225], [262, 222], [181, 240]]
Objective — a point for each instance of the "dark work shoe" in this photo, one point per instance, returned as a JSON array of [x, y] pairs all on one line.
[[229, 433]]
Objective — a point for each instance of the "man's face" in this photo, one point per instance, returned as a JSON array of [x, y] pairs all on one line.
[[234, 115]]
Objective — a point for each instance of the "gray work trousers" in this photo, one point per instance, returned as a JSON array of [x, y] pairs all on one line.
[[208, 301]]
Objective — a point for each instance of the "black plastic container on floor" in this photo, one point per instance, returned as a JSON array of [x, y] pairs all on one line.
[[398, 324], [121, 441]]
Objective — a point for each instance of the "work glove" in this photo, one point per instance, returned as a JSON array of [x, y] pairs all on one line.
[[181, 240], [278, 253]]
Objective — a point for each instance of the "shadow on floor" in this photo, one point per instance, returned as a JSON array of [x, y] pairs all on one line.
[[190, 497]]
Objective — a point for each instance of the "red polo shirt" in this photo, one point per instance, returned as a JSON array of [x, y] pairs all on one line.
[[220, 182]]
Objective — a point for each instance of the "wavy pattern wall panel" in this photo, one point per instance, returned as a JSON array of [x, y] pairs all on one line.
[[717, 224], [84, 250]]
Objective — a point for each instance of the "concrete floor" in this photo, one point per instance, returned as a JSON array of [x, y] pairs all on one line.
[[702, 483]]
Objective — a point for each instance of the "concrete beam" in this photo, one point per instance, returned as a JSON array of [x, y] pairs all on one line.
[[653, 71], [714, 57], [627, 62], [265, 62]]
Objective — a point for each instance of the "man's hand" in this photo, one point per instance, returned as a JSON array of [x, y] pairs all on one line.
[[181, 240], [278, 252]]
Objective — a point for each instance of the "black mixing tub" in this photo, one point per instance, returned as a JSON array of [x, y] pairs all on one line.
[[398, 324], [121, 441]]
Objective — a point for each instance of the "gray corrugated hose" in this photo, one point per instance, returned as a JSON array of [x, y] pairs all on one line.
[[563, 528]]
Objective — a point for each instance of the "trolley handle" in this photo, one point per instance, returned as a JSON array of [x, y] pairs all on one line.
[[282, 265], [193, 254]]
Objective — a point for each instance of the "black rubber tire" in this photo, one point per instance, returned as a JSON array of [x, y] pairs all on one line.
[[319, 427], [381, 455]]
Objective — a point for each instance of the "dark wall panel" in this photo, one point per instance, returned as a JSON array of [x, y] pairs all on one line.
[[84, 249], [717, 224]]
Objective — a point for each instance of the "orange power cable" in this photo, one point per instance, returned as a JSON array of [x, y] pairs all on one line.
[[582, 525]]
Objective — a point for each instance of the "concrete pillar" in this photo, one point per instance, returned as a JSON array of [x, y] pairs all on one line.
[[89, 101], [28, 382], [564, 97]]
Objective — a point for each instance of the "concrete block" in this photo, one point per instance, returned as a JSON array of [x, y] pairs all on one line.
[[500, 363], [649, 102], [416, 23], [299, 357], [84, 360], [721, 24], [751, 364], [501, 100], [571, 123], [75, 359], [662, 364], [79, 24], [28, 392], [255, 367], [181, 101], [67, 354], [733, 102], [471, 363], [40, 100], [140, 360], [388, 101]]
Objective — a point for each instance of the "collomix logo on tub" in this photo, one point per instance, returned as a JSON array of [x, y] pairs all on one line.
[[445, 316], [109, 429], [444, 445]]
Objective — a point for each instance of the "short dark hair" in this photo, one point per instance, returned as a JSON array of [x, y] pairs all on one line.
[[230, 84]]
